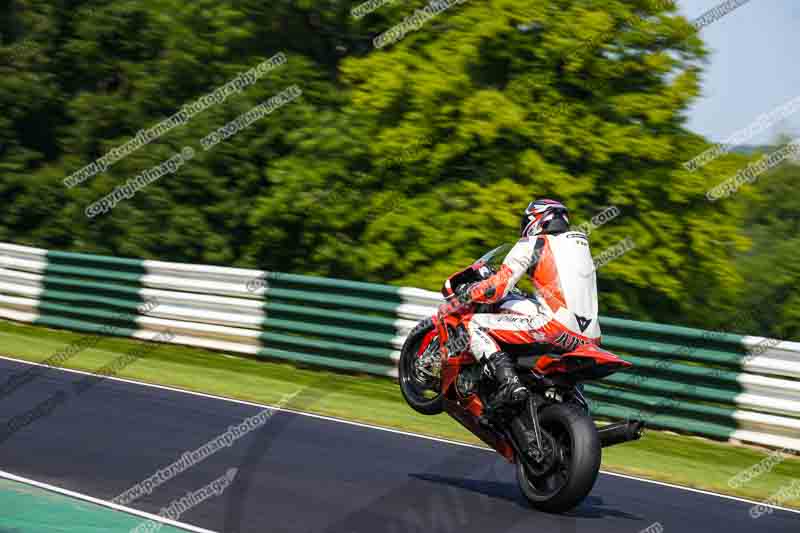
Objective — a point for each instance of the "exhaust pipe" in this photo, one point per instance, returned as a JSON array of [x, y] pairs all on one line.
[[620, 432]]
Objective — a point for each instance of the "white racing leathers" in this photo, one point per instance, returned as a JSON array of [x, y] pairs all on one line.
[[562, 314]]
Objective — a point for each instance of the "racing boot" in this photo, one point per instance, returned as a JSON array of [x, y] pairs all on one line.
[[510, 390]]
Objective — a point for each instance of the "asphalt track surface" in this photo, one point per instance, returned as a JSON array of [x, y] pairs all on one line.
[[302, 473]]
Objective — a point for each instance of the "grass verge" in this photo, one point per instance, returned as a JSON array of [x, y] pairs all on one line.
[[689, 461]]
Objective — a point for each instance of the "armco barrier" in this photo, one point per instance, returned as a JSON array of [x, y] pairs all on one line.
[[714, 384]]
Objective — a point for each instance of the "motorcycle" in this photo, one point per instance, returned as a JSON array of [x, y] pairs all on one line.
[[551, 437]]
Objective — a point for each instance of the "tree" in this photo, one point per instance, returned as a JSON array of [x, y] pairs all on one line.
[[483, 89], [771, 304]]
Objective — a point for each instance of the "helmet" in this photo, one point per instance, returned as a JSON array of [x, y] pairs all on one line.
[[544, 216]]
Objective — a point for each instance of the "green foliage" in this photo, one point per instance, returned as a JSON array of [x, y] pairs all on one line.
[[397, 165], [771, 266]]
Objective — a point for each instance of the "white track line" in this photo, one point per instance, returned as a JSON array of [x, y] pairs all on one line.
[[116, 507], [388, 430]]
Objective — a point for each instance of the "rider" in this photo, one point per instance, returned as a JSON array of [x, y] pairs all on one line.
[[563, 313]]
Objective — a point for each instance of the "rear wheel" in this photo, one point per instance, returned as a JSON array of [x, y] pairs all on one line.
[[574, 463], [419, 372]]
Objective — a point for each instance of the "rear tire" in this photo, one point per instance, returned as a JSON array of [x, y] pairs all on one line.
[[410, 387], [580, 463]]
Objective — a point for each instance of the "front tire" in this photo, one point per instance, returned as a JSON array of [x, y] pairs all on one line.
[[578, 463], [410, 385]]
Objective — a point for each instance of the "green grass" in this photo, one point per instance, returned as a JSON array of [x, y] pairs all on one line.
[[688, 461]]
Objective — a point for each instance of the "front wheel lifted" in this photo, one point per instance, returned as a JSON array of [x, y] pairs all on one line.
[[419, 391], [576, 446]]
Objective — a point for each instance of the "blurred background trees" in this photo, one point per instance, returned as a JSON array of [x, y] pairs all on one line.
[[397, 165]]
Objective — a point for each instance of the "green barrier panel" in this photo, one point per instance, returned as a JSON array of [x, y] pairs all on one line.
[[662, 387], [386, 292], [124, 296], [332, 300], [644, 368], [644, 405], [621, 397], [139, 266], [691, 336], [95, 273], [52, 310], [329, 299], [122, 263], [270, 339], [91, 286], [131, 304], [329, 362], [92, 267], [381, 339], [674, 351], [82, 325], [676, 423], [329, 317]]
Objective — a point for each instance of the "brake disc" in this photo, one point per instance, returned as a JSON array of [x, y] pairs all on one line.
[[428, 367]]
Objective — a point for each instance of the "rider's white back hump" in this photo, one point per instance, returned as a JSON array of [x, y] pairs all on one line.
[[566, 266]]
